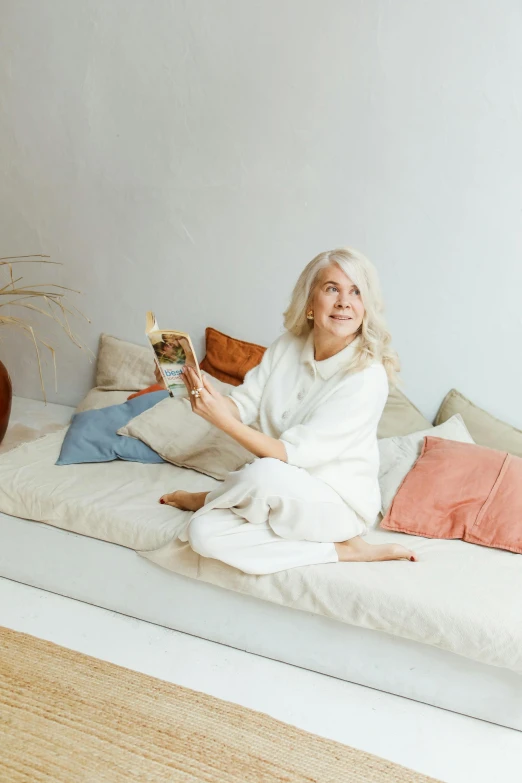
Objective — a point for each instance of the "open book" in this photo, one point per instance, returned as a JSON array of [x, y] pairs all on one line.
[[172, 350]]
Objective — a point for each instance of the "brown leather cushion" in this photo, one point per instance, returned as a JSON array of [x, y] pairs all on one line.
[[228, 359]]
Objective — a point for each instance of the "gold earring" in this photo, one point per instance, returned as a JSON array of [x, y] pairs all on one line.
[[310, 315]]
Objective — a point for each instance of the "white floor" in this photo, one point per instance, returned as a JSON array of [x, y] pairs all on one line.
[[449, 747]]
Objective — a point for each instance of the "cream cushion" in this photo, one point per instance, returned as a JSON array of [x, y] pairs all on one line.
[[485, 428], [99, 398], [399, 454], [459, 597], [400, 416], [185, 439], [123, 365]]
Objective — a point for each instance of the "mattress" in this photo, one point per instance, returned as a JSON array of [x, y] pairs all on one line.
[[459, 597]]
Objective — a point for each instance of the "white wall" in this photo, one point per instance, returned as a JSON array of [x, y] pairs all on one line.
[[191, 156]]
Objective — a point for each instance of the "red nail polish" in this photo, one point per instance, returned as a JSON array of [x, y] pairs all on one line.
[[161, 500], [411, 558]]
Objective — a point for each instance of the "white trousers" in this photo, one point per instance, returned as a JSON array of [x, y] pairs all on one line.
[[269, 516]]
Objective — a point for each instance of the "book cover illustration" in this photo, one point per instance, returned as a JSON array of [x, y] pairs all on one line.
[[172, 350]]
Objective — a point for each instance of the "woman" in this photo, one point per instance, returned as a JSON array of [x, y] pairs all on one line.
[[316, 397]]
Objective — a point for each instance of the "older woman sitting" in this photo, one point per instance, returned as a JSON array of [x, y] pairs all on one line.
[[315, 399]]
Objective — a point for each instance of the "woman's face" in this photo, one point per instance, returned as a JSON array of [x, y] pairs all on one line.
[[337, 305]]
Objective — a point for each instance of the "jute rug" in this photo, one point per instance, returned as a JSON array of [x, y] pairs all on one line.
[[67, 717]]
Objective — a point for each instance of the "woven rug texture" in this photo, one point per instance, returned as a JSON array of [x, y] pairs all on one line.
[[66, 717]]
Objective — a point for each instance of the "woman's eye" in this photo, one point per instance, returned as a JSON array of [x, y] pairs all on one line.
[[334, 288]]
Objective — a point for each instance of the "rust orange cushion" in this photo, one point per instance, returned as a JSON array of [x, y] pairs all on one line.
[[228, 359], [461, 490], [154, 388]]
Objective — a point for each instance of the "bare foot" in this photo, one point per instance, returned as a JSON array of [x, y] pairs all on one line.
[[356, 550], [187, 501]]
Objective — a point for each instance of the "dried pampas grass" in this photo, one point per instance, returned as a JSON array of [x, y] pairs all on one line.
[[50, 296]]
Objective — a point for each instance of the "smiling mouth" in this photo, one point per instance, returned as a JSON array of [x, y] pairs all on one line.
[[341, 317]]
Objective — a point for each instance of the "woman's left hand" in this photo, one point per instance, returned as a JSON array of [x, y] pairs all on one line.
[[210, 404]]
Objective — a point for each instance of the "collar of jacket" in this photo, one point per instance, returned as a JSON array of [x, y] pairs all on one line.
[[327, 367]]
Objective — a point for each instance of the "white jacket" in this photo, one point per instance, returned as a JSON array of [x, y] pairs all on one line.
[[326, 418]]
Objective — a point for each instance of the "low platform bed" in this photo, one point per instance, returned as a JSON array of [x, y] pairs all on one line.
[[446, 630], [116, 578]]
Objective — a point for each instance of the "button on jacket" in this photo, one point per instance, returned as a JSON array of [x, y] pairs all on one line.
[[325, 417]]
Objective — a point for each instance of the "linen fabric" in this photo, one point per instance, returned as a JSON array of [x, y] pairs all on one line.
[[398, 455], [270, 516], [229, 359], [123, 366], [485, 429], [400, 416], [187, 440], [115, 501], [461, 490], [92, 435], [325, 417], [99, 398], [458, 597]]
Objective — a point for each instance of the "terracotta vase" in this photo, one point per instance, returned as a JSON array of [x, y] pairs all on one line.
[[6, 395]]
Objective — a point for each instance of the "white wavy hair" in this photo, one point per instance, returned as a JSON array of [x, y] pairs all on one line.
[[375, 342]]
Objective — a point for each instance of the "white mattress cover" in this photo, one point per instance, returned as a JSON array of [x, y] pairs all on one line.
[[115, 578], [461, 598]]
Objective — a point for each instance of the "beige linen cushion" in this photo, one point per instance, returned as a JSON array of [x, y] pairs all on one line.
[[399, 454], [400, 416], [99, 398], [123, 365], [185, 439], [485, 429]]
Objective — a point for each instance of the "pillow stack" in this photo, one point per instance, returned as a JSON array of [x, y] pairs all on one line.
[[399, 454], [458, 490], [440, 483]]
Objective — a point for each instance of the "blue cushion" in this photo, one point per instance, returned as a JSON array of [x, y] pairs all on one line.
[[92, 436]]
